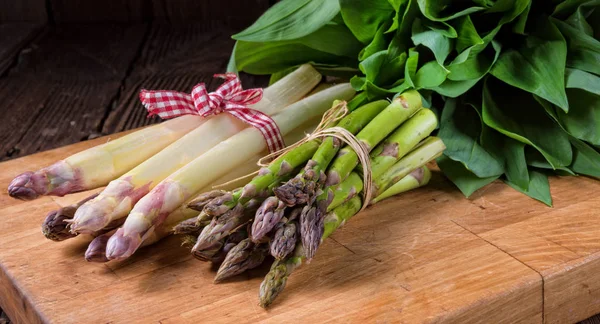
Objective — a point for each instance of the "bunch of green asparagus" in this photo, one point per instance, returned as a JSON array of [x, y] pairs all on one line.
[[305, 194]]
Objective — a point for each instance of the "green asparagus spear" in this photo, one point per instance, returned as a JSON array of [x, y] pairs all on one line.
[[402, 141], [417, 178], [426, 151], [302, 187]]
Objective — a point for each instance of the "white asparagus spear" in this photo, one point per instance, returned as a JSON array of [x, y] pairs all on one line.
[[152, 209], [96, 166], [119, 197]]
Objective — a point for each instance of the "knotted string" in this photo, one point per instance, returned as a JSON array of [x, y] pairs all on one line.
[[325, 129]]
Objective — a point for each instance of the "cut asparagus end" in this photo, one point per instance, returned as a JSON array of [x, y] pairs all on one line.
[[121, 246], [267, 216], [96, 251], [27, 186], [55, 228]]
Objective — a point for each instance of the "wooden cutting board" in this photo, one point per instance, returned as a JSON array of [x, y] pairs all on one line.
[[428, 256]]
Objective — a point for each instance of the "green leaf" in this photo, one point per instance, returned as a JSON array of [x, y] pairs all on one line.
[[538, 189], [521, 21], [536, 159], [454, 89], [471, 71], [272, 57], [583, 119], [333, 44], [465, 180], [584, 50], [467, 34], [518, 115], [290, 19], [460, 128], [332, 39], [379, 43], [511, 152], [365, 17], [442, 10], [231, 65], [586, 160], [582, 80], [430, 76], [410, 68], [537, 65], [435, 40]]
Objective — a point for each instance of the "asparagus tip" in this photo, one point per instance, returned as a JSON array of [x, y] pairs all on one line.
[[120, 246], [55, 226], [96, 251], [23, 187]]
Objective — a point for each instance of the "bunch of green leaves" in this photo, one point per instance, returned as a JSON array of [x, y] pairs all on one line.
[[515, 82]]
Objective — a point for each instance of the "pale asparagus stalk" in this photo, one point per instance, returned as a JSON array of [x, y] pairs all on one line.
[[96, 166], [119, 197], [152, 209]]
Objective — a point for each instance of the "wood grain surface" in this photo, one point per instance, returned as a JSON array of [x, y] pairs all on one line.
[[429, 256]]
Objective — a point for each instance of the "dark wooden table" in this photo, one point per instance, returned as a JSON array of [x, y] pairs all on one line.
[[71, 70]]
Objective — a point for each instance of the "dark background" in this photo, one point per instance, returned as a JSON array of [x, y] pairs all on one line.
[[71, 70]]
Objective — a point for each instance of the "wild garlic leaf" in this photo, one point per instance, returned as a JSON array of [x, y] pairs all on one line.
[[516, 114], [272, 57], [511, 152], [538, 189], [430, 76], [465, 180], [290, 19], [583, 50], [467, 33], [586, 160], [442, 10], [365, 17], [537, 65], [583, 119], [460, 129], [582, 80], [433, 39], [535, 159]]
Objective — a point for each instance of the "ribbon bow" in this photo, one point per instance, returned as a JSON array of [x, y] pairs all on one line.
[[229, 97]]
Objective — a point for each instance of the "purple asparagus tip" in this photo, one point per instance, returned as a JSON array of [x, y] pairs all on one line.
[[267, 216], [120, 247], [55, 228], [23, 187], [96, 251]]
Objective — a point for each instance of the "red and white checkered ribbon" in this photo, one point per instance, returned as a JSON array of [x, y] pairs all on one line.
[[229, 97]]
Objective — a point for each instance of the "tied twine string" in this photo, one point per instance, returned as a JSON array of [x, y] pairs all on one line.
[[325, 129]]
